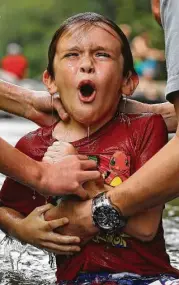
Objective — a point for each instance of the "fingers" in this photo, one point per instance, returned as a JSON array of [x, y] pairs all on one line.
[[81, 192], [47, 159], [42, 209], [60, 249], [88, 164], [89, 175], [53, 154], [60, 244], [57, 104], [53, 224], [82, 157], [61, 239]]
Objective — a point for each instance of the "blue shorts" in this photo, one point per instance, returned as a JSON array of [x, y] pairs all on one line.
[[117, 279]]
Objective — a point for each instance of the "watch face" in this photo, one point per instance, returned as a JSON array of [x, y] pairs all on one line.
[[108, 218]]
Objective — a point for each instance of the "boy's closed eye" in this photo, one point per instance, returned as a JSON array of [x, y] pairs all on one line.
[[71, 54], [102, 54]]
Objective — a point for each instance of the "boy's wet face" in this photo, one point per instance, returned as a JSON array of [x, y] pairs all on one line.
[[88, 67]]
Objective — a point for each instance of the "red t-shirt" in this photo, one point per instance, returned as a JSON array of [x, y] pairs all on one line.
[[121, 149], [15, 64]]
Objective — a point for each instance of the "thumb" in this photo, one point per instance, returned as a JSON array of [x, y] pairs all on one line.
[[57, 104]]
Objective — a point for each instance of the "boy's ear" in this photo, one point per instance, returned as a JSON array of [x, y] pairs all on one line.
[[130, 83], [49, 83]]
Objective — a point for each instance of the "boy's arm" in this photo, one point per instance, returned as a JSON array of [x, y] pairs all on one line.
[[144, 226]]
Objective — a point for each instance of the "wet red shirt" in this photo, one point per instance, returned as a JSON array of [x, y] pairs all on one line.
[[16, 64], [121, 148]]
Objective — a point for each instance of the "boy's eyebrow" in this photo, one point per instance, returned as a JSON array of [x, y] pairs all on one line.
[[104, 48], [70, 48], [108, 49]]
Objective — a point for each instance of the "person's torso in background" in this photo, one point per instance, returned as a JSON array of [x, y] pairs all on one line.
[[15, 64]]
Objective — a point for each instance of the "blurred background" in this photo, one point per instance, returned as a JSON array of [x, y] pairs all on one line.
[[26, 28]]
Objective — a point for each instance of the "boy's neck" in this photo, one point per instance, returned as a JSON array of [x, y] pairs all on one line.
[[72, 130]]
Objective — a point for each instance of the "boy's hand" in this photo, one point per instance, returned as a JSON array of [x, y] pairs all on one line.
[[57, 150], [35, 230]]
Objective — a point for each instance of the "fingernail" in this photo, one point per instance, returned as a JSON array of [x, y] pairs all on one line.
[[77, 240], [65, 116], [78, 249], [65, 220]]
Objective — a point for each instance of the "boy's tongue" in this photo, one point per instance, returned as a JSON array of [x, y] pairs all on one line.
[[87, 91]]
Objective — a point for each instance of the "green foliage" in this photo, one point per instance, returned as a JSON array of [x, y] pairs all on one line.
[[32, 23]]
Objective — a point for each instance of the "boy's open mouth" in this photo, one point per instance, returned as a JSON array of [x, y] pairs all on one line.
[[87, 91]]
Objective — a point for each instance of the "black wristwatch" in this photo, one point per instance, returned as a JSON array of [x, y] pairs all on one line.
[[106, 216]]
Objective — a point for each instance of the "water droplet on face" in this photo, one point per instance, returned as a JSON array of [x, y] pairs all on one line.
[[88, 132], [52, 109], [88, 135]]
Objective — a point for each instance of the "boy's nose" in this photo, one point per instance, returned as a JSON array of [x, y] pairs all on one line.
[[87, 66]]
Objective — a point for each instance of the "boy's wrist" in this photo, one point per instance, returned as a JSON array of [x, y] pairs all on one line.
[[16, 229]]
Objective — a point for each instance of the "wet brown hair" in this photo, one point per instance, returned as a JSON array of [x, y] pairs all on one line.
[[90, 19]]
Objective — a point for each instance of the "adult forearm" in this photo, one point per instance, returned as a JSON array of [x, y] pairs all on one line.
[[17, 165], [14, 99], [155, 183]]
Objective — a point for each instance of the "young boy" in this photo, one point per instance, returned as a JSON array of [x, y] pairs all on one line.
[[91, 66]]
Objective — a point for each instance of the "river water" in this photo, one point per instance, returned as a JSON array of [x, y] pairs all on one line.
[[30, 266], [25, 265]]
